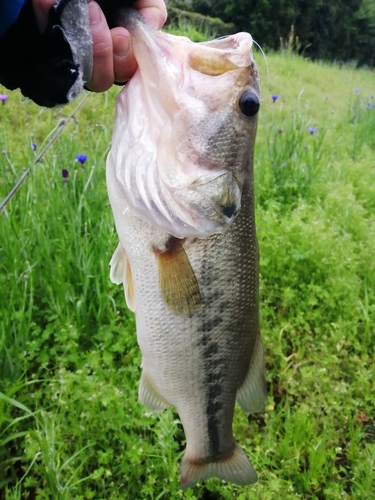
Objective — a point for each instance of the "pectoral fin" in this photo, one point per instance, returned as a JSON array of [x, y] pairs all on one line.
[[252, 395], [177, 281], [121, 273], [149, 396]]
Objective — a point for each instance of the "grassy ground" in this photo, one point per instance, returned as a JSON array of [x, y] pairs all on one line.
[[71, 426]]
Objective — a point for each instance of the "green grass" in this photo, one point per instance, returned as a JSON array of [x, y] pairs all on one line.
[[71, 426]]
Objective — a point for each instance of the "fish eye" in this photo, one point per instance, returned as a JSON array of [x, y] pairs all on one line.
[[249, 104]]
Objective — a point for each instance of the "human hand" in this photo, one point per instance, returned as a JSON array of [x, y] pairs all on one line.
[[112, 49]]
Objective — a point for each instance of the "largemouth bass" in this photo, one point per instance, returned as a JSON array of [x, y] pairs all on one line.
[[180, 183]]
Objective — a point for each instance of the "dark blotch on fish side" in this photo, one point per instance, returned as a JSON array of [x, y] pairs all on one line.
[[209, 325], [213, 392], [213, 380], [212, 361], [222, 307], [212, 421], [211, 356]]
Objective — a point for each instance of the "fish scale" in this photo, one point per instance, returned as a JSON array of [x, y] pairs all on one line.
[[195, 298]]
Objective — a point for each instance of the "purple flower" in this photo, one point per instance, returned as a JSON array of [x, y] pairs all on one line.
[[274, 97], [356, 91], [368, 106], [371, 97], [81, 159], [312, 130], [3, 98], [65, 174], [33, 146]]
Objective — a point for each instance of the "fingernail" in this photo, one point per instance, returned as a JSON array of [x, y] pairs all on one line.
[[95, 15], [121, 45]]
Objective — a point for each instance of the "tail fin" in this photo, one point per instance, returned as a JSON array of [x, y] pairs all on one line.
[[235, 469]]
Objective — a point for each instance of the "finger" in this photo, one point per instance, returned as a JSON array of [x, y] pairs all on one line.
[[123, 58], [154, 11], [102, 74], [41, 10]]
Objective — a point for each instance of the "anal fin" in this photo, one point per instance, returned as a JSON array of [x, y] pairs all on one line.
[[149, 395], [252, 395], [235, 468]]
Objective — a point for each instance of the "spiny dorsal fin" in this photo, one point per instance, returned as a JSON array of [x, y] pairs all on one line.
[[177, 281]]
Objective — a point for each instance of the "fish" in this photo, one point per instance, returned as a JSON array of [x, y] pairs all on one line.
[[180, 184]]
